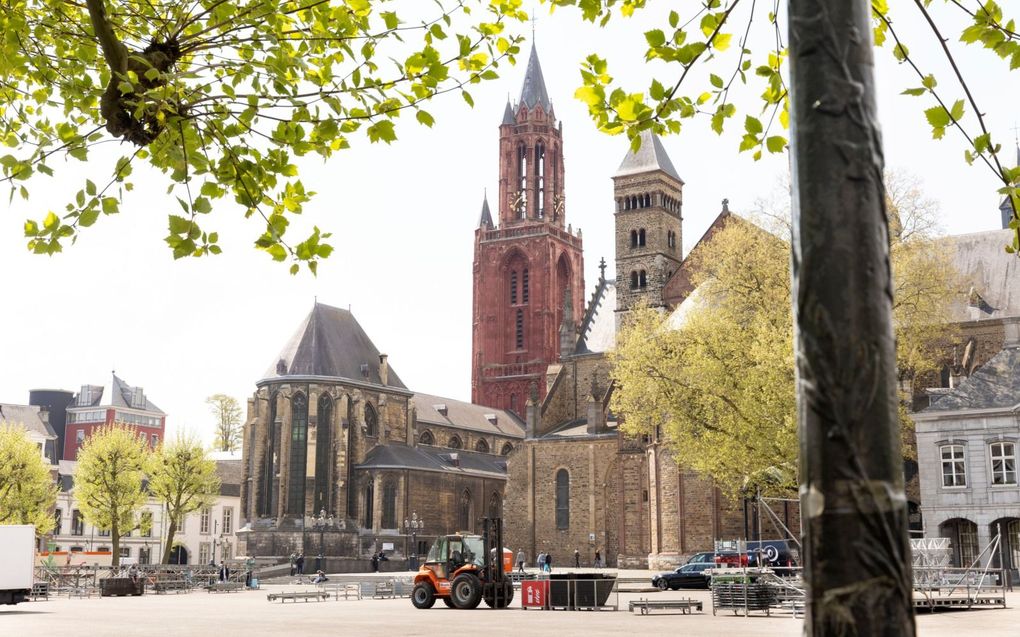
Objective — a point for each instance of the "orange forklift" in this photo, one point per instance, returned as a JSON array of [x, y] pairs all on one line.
[[462, 570]]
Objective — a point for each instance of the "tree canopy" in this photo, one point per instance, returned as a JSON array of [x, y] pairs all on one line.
[[718, 376], [108, 481], [27, 492], [227, 417], [220, 96], [183, 478], [739, 43]]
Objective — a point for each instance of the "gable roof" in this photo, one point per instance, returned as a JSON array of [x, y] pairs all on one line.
[[651, 156], [485, 219], [397, 456], [27, 416], [996, 385], [330, 343], [120, 394], [990, 276], [464, 415]]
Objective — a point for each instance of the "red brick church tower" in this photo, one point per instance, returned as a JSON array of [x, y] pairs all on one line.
[[528, 271]]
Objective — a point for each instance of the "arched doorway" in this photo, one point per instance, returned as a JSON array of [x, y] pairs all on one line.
[[178, 555], [963, 540]]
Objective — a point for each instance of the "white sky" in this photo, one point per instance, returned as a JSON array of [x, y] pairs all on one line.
[[403, 218]]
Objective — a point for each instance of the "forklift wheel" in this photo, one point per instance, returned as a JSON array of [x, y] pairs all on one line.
[[448, 602], [466, 591], [423, 596], [505, 599]]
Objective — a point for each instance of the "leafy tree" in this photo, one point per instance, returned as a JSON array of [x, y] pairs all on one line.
[[221, 95], [228, 421], [720, 374], [108, 481], [27, 492], [184, 479]]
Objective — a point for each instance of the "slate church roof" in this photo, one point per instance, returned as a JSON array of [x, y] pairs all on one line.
[[651, 156], [438, 459], [331, 343], [464, 415], [990, 276], [996, 385], [533, 90]]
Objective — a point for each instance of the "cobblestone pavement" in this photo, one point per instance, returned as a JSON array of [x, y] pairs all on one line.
[[249, 613]]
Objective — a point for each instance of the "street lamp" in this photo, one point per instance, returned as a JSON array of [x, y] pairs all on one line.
[[413, 527]]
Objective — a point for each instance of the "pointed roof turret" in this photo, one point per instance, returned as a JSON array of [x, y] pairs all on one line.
[[651, 156], [533, 90], [485, 220], [508, 115]]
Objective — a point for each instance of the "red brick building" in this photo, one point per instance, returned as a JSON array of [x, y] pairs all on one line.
[[528, 270], [94, 407]]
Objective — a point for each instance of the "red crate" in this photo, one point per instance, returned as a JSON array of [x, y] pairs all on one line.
[[535, 593]]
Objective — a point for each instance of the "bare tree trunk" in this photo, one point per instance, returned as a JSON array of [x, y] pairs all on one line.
[[856, 551], [115, 543], [171, 532]]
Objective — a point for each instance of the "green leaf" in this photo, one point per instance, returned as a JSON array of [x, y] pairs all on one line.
[[753, 125], [655, 38], [715, 80], [425, 118], [957, 111], [775, 143], [178, 225]]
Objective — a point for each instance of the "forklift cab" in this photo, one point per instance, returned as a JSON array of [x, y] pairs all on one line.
[[451, 552]]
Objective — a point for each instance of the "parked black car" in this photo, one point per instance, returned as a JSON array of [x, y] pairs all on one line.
[[687, 576], [705, 557]]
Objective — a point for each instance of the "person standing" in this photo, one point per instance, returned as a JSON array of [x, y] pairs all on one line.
[[577, 558], [249, 569], [598, 558], [520, 560], [548, 562], [293, 564], [224, 572], [301, 563], [540, 561], [375, 562]]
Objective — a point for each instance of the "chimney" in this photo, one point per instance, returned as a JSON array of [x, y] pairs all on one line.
[[384, 370], [594, 415], [1012, 328]]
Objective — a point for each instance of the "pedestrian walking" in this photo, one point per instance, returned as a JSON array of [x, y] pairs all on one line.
[[598, 558], [520, 560], [301, 563], [577, 558], [548, 562], [540, 561], [249, 569], [224, 572]]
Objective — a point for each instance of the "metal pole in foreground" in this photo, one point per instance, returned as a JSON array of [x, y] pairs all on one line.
[[856, 549]]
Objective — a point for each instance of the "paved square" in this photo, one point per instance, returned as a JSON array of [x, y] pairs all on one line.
[[249, 613]]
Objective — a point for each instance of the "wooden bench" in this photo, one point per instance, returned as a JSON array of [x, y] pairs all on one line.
[[646, 606], [318, 596], [383, 590], [40, 589], [166, 585], [224, 587]]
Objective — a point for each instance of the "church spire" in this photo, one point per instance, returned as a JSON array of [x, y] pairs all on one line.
[[485, 220], [508, 114], [533, 90]]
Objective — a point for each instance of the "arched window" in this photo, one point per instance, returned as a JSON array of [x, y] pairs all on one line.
[[298, 454], [495, 506], [522, 180], [323, 454], [633, 279], [633, 238], [519, 330], [562, 499], [366, 520], [641, 237], [426, 438], [455, 442], [513, 287], [465, 515], [945, 376], [507, 448], [525, 292], [539, 180], [481, 446], [389, 506], [648, 200], [371, 421], [642, 279], [266, 505]]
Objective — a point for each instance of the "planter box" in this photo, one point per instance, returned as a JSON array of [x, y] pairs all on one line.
[[120, 586]]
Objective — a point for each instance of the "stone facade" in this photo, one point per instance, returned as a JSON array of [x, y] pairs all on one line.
[[338, 453], [529, 272]]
